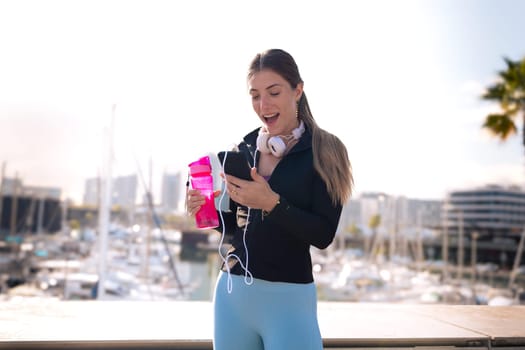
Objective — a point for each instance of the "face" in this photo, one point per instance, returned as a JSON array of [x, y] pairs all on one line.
[[274, 101]]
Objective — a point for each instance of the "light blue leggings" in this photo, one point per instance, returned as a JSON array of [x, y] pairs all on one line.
[[265, 315]]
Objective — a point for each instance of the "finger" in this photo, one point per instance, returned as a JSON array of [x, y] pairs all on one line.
[[192, 210], [197, 202], [255, 175], [195, 196], [232, 180], [232, 190]]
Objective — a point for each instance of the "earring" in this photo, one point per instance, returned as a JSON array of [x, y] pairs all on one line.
[[297, 110]]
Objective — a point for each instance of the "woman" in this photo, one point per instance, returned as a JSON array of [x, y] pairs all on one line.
[[265, 297]]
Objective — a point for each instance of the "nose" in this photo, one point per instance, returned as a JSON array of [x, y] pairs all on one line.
[[264, 103]]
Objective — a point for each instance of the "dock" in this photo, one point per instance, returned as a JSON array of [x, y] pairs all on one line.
[[55, 324]]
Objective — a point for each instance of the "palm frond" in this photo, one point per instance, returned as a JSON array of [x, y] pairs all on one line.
[[495, 92], [509, 92], [500, 125]]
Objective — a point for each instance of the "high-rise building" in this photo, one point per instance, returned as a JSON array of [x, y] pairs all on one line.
[[171, 191], [123, 191], [91, 191]]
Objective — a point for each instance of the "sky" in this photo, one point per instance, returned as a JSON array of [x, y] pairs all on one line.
[[399, 82]]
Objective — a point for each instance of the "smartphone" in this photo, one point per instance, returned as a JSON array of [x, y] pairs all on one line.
[[236, 164]]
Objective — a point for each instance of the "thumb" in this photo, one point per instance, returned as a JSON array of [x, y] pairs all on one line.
[[255, 175]]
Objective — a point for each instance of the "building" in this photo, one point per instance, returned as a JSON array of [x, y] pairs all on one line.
[[172, 191], [123, 192], [493, 215], [350, 215], [91, 192], [492, 211], [396, 213], [419, 212], [29, 209]]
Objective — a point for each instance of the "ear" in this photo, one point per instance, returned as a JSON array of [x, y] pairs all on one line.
[[299, 92]]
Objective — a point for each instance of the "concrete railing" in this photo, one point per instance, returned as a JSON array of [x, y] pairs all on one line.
[[44, 324]]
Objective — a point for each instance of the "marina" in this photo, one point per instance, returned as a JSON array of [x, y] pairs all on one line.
[[68, 268], [106, 106], [153, 264], [145, 286]]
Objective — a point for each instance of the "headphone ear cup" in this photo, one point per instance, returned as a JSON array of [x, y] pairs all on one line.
[[277, 146], [262, 142], [298, 131]]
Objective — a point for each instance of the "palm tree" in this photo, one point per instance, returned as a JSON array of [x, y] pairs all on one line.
[[509, 92]]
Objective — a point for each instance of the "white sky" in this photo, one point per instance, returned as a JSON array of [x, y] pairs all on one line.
[[398, 81]]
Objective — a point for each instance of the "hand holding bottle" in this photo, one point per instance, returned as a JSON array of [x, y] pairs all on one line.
[[195, 200], [202, 181]]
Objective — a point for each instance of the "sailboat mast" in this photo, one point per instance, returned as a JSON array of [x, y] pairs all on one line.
[[105, 206], [2, 193], [517, 259], [14, 208]]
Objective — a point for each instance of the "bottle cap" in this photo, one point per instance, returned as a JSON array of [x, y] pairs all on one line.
[[202, 165], [199, 169]]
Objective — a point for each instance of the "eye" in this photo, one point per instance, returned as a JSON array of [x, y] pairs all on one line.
[[275, 91], [255, 97]]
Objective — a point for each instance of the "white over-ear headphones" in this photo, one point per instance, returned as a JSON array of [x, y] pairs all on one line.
[[276, 145]]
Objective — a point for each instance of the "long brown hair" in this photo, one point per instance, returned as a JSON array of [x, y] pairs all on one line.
[[329, 153]]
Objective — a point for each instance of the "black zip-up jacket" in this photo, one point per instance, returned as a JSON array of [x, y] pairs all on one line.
[[279, 243]]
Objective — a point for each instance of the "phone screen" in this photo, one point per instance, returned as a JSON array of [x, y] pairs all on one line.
[[235, 164]]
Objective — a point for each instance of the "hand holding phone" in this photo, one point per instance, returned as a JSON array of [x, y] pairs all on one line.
[[236, 164]]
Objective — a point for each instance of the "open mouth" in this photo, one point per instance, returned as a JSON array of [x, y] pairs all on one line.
[[271, 118]]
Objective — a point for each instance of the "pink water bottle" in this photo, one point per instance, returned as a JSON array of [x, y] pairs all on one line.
[[201, 179]]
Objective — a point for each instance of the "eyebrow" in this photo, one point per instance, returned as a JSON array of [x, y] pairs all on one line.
[[267, 88]]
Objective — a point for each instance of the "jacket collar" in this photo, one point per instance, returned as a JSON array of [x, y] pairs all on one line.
[[304, 143]]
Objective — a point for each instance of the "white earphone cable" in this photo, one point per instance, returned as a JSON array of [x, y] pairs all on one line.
[[248, 278]]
